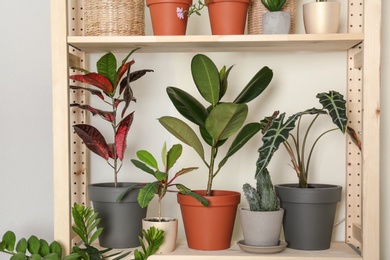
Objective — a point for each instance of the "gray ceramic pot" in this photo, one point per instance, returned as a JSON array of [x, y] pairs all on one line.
[[309, 214], [276, 22], [122, 221]]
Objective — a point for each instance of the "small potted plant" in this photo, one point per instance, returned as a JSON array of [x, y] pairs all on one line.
[[321, 17], [112, 87], [217, 123], [160, 187], [275, 21], [309, 208]]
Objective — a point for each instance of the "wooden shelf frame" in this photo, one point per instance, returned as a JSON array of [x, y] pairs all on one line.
[[362, 44]]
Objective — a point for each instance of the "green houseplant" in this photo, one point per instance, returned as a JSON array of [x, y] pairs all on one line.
[[112, 88], [275, 21], [163, 184], [295, 197], [216, 123]]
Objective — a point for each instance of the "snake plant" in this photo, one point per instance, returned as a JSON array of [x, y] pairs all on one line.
[[273, 5], [277, 131]]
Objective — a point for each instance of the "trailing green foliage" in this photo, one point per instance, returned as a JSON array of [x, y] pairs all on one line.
[[218, 121], [277, 131], [148, 163], [273, 5]]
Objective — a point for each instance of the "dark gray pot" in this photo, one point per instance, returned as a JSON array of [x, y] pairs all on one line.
[[122, 221], [309, 214]]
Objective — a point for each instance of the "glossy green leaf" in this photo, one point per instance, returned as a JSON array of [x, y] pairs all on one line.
[[206, 77], [161, 175], [186, 191], [335, 104], [52, 256], [9, 240], [164, 154], [182, 132], [146, 194], [19, 256], [142, 166], [188, 106], [56, 248], [224, 74], [44, 248], [225, 120], [147, 158], [33, 245], [256, 86], [95, 235], [106, 66], [173, 155], [21, 246]]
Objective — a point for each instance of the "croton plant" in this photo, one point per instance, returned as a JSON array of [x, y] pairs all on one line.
[[112, 87]]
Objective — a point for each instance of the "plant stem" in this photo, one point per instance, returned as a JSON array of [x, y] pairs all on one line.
[[213, 154]]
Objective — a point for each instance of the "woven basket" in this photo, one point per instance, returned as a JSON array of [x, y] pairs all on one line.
[[255, 13], [114, 17]]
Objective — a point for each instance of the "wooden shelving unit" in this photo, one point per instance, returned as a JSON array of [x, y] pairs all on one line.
[[361, 44]]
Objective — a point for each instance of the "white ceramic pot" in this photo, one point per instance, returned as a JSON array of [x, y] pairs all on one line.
[[276, 22], [169, 225], [321, 17], [261, 228]]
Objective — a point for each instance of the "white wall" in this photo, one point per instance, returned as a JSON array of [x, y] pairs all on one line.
[[25, 133]]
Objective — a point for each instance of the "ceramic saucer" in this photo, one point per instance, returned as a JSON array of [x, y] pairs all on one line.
[[262, 249]]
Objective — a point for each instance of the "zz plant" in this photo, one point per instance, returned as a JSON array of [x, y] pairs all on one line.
[[114, 91], [219, 120], [277, 131]]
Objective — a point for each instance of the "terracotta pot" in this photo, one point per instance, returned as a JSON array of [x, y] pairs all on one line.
[[227, 16], [168, 16], [321, 17], [209, 228], [169, 226]]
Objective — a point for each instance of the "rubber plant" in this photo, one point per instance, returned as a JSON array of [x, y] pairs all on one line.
[[277, 131], [220, 120], [148, 163], [113, 89]]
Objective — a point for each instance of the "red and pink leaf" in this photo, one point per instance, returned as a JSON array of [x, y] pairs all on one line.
[[121, 135], [93, 139], [122, 70], [96, 80], [106, 115]]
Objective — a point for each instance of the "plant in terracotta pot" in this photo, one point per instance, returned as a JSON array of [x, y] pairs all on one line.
[[112, 87], [304, 224], [275, 21], [217, 122], [148, 163], [321, 17]]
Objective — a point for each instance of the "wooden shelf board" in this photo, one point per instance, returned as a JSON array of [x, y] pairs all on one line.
[[338, 251], [217, 43]]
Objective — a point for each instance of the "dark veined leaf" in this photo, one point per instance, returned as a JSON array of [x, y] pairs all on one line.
[[173, 155], [128, 96], [277, 133], [92, 91], [335, 104], [245, 134], [182, 132], [224, 80], [146, 194], [96, 80], [206, 77], [106, 115], [21, 246], [188, 106], [256, 86], [147, 158], [186, 191], [106, 66], [142, 166], [93, 139], [126, 67], [9, 240], [33, 245], [225, 120], [121, 135]]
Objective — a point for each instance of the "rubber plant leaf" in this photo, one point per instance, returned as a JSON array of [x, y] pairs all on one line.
[[183, 132], [173, 154], [92, 91], [146, 194], [208, 139], [188, 106], [93, 139], [121, 135], [245, 134], [334, 103], [256, 86], [225, 120], [106, 66], [206, 77], [96, 80], [224, 74], [106, 115], [147, 158]]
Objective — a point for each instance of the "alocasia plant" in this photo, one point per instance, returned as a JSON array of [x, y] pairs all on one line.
[[114, 90]]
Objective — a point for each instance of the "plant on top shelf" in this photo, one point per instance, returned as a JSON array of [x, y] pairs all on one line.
[[148, 163], [278, 131], [273, 5], [116, 94], [220, 119]]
